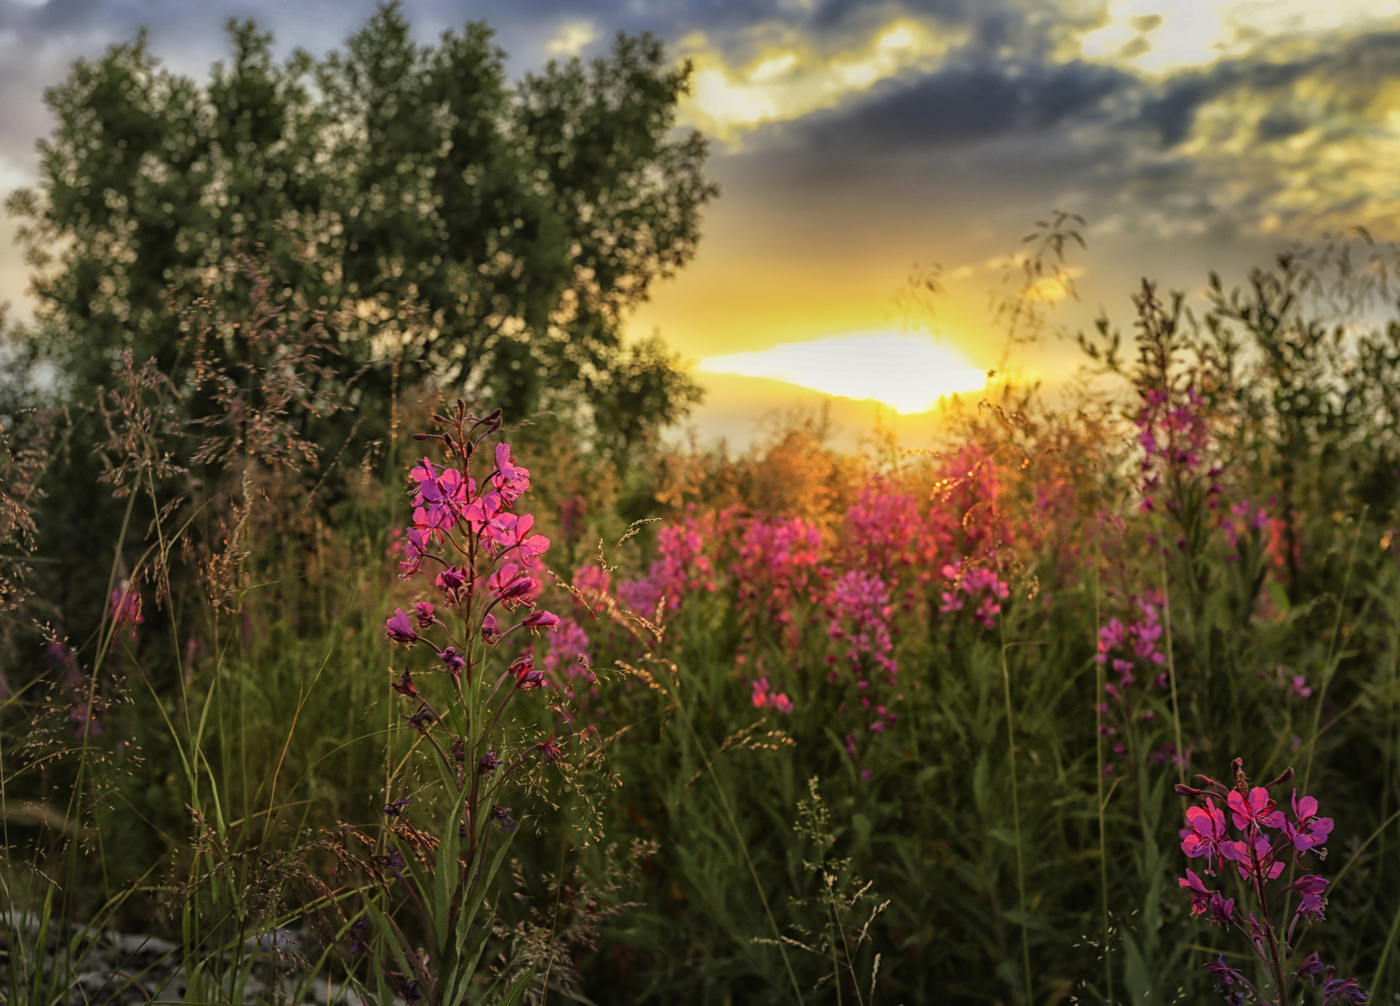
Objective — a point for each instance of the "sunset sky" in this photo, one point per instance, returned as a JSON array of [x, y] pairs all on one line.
[[855, 141]]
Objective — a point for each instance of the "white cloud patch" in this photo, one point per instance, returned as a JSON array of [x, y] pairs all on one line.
[[790, 79], [572, 38], [1166, 36]]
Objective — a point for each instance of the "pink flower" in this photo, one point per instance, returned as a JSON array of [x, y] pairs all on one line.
[[424, 613], [1257, 860], [512, 531], [782, 703], [760, 693], [126, 606], [1311, 888], [1256, 811], [399, 628], [510, 479], [510, 585], [451, 579], [1310, 833], [1200, 894], [1204, 834], [540, 620]]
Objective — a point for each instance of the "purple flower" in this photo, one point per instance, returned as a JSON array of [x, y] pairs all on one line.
[[489, 632], [1311, 888], [451, 579], [359, 934], [424, 613], [394, 863], [395, 809], [1343, 990], [1311, 967], [1222, 972], [502, 814], [452, 660], [540, 620], [488, 763], [399, 628]]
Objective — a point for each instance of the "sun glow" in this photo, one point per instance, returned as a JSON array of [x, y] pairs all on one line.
[[909, 373]]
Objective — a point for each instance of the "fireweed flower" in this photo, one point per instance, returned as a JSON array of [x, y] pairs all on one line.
[[1307, 831], [393, 862], [359, 936], [1311, 889], [1342, 990], [1262, 836], [1257, 810], [398, 627], [526, 675], [489, 631], [451, 580], [485, 561], [404, 686], [551, 750], [540, 620]]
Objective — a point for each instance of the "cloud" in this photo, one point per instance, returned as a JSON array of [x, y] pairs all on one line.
[[789, 77], [571, 38], [1161, 37], [966, 103]]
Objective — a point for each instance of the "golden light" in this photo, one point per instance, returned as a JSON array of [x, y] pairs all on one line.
[[907, 372], [791, 79], [1165, 36]]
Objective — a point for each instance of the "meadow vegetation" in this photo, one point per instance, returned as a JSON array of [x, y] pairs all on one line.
[[492, 706]]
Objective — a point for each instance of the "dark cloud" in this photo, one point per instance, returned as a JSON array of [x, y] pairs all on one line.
[[963, 104]]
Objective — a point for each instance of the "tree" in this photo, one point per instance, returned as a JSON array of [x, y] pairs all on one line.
[[489, 236]]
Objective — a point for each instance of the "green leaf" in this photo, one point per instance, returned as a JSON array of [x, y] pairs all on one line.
[[518, 989]]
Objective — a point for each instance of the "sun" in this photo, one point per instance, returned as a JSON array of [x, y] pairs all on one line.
[[907, 372]]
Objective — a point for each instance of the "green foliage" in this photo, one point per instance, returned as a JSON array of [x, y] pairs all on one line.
[[487, 236]]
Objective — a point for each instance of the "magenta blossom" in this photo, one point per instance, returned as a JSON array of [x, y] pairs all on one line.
[[1204, 834], [540, 620], [451, 579], [1255, 811], [1311, 888], [398, 627], [1310, 832]]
